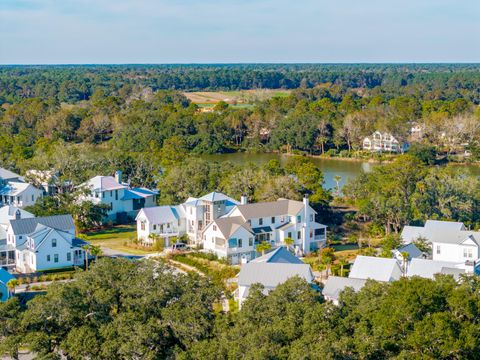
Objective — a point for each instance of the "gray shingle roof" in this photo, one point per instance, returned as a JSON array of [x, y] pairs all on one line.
[[272, 274], [229, 225], [336, 284], [272, 208], [28, 226]]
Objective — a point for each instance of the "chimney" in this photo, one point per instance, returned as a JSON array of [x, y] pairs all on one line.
[[18, 214], [243, 199], [118, 176]]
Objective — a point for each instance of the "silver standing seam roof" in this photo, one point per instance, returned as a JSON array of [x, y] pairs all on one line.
[[336, 284], [375, 268], [28, 225], [271, 275]]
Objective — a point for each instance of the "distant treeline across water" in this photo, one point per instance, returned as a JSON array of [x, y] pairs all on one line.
[[71, 83]]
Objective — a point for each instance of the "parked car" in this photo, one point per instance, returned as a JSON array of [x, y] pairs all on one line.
[[178, 247]]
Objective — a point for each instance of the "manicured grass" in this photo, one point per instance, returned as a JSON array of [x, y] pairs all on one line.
[[115, 238]]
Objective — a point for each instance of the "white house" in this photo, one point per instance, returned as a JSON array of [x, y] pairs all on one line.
[[7, 251], [336, 284], [450, 241], [45, 243], [162, 221], [189, 218], [200, 212], [124, 201], [379, 142], [15, 191], [235, 234], [271, 270], [375, 268], [5, 277]]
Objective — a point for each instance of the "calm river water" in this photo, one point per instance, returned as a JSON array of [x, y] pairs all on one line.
[[330, 167]]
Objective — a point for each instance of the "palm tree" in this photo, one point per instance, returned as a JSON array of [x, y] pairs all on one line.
[[263, 246], [12, 284], [405, 256], [288, 241], [337, 179], [95, 251], [342, 261]]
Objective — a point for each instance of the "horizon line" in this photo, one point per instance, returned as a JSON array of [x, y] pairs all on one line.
[[248, 63]]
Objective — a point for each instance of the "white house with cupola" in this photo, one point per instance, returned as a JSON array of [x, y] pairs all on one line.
[[189, 218], [236, 234], [123, 200]]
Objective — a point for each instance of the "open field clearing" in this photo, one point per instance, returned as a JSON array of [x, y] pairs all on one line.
[[234, 97]]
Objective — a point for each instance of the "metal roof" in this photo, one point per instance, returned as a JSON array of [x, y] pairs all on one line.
[[28, 226], [336, 284], [217, 196], [428, 268], [7, 174], [8, 212], [161, 214], [375, 268], [447, 232], [14, 188], [272, 274], [280, 256]]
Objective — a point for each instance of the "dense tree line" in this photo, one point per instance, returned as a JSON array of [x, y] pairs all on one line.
[[407, 191], [70, 83], [129, 130], [124, 310]]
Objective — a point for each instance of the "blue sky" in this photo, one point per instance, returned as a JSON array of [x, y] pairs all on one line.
[[233, 31]]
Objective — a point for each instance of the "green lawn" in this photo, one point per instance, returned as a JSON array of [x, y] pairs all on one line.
[[115, 238]]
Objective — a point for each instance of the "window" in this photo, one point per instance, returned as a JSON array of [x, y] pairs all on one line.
[[48, 258], [311, 233], [290, 234], [299, 218], [299, 235], [214, 227], [54, 242], [232, 242], [311, 217], [111, 193], [154, 227], [260, 221], [467, 253], [55, 258], [438, 249], [142, 226], [69, 256], [250, 242], [273, 219], [240, 243], [116, 194], [103, 194], [33, 197]]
